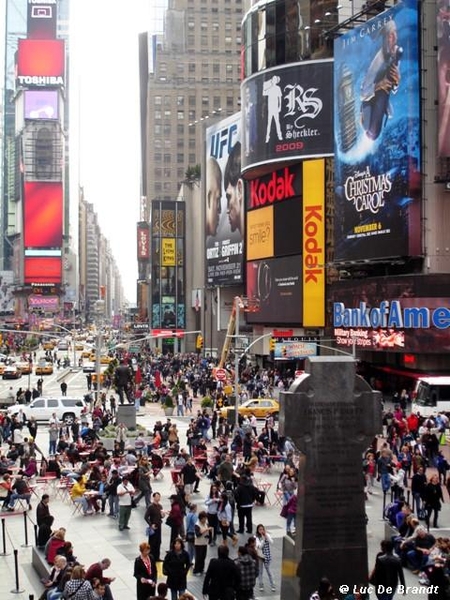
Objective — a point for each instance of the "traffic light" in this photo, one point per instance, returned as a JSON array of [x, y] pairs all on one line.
[[272, 343], [199, 342]]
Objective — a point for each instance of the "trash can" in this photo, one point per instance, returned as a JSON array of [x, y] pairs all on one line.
[[231, 416]]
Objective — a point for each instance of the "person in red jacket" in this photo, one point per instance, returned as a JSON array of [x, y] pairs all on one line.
[[54, 544], [175, 518], [95, 571]]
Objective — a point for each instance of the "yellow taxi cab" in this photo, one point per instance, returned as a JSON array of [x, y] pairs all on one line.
[[25, 367], [105, 360], [44, 368], [2, 368], [260, 407], [91, 357], [79, 347], [48, 345], [86, 354]]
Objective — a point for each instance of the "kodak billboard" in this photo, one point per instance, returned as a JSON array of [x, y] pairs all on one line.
[[314, 243]]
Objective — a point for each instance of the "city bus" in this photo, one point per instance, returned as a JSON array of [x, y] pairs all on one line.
[[432, 395]]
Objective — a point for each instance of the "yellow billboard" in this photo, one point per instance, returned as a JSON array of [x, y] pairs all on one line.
[[168, 252], [314, 243], [260, 234]]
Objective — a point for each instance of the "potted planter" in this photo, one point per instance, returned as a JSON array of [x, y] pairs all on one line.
[[207, 404], [168, 406]]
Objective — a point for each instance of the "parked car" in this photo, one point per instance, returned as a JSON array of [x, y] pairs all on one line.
[[63, 346], [260, 407], [65, 408]]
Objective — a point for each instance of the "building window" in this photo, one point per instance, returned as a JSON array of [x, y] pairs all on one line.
[[167, 129], [191, 67], [191, 100], [158, 157], [167, 114], [191, 25], [157, 115], [167, 158], [180, 158], [180, 129], [157, 100], [157, 129], [191, 143], [192, 159], [205, 100], [180, 173], [217, 101], [180, 115], [180, 100]]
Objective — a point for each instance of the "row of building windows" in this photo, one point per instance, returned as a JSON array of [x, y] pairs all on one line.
[[192, 101], [167, 158]]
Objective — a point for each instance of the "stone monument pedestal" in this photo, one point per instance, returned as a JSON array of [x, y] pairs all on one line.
[[126, 414], [331, 415]]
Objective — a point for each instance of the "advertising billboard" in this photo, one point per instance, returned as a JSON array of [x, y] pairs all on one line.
[[287, 113], [377, 137], [277, 284], [260, 233], [41, 104], [443, 67], [143, 241], [40, 63], [43, 269], [407, 314], [293, 350], [41, 19], [43, 214], [224, 203], [314, 243]]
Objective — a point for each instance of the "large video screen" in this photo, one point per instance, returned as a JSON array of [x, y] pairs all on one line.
[[288, 113], [377, 137], [224, 203], [43, 215], [41, 104], [277, 284], [42, 270], [40, 58]]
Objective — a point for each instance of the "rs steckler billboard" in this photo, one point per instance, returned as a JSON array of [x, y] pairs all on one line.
[[287, 113], [377, 137], [224, 203]]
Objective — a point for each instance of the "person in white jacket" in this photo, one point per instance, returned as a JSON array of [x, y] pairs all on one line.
[[263, 542]]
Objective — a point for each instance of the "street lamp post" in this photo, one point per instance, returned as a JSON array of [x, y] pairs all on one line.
[[236, 367], [99, 309]]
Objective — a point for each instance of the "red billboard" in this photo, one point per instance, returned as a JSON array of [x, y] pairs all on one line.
[[42, 269], [43, 215], [143, 241], [40, 62]]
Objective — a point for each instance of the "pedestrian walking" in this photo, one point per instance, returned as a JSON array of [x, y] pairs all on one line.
[[176, 566], [125, 491], [387, 572], [222, 577], [63, 387], [145, 572], [153, 517]]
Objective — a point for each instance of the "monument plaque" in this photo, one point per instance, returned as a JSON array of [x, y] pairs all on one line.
[[331, 415], [126, 414]]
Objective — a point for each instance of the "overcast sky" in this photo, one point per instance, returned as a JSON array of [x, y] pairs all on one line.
[[104, 84]]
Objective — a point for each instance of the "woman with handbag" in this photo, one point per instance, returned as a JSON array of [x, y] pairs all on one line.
[[191, 521], [145, 573], [224, 516], [212, 505], [203, 533]]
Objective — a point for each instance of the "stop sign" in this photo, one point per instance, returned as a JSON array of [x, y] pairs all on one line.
[[221, 374]]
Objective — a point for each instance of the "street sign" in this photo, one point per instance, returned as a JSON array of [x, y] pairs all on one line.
[[220, 374]]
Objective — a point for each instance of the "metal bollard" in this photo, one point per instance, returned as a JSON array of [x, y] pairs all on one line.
[[4, 553], [25, 525], [35, 534], [17, 589]]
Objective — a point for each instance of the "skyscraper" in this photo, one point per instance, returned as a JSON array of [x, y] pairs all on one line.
[[193, 75]]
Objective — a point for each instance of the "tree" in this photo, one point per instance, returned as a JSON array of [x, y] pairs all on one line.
[[192, 175]]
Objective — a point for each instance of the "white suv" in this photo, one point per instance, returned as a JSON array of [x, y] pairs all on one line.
[[65, 408]]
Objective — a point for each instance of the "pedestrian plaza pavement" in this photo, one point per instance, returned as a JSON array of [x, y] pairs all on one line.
[[96, 536]]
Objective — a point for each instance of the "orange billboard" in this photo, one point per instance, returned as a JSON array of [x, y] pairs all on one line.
[[260, 235]]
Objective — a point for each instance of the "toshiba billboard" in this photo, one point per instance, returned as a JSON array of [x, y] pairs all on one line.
[[40, 63]]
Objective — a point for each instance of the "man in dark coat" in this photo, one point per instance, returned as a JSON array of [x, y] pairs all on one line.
[[222, 578], [42, 509], [387, 573]]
